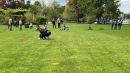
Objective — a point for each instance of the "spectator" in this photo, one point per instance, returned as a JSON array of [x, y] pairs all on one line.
[[20, 24], [59, 22], [120, 21], [112, 24], [64, 27], [31, 25], [15, 24], [53, 23], [10, 24], [115, 23]]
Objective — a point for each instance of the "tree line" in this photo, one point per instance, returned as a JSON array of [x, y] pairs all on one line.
[[75, 10]]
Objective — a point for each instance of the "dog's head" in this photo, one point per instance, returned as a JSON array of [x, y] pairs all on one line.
[[48, 33]]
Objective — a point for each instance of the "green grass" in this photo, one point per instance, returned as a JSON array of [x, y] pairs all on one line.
[[77, 50]]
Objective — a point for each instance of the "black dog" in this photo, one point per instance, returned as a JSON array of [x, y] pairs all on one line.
[[44, 33]]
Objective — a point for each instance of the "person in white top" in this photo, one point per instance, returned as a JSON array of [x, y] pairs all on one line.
[[31, 25], [10, 24], [59, 22]]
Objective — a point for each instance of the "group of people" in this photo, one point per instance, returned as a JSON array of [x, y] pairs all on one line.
[[20, 23], [28, 25], [44, 33], [59, 21], [116, 23], [10, 24]]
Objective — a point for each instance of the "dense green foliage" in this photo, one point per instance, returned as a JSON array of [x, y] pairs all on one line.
[[75, 10], [15, 14], [77, 50], [40, 19], [93, 8]]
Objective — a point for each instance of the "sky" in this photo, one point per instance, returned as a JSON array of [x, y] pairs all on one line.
[[125, 4]]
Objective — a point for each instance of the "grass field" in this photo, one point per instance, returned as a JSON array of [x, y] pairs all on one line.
[[75, 51]]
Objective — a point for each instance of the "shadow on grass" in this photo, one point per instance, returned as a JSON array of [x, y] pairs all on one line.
[[50, 39]]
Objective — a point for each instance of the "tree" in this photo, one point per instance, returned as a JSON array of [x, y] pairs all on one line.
[[37, 3], [38, 7], [93, 8], [35, 8], [43, 7], [111, 9], [23, 1], [27, 5], [10, 4], [55, 7], [29, 16], [72, 6], [54, 10]]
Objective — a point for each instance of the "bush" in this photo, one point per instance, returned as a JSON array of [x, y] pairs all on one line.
[[2, 19], [40, 19], [28, 16]]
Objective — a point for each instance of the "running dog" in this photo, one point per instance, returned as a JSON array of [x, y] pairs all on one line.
[[44, 34]]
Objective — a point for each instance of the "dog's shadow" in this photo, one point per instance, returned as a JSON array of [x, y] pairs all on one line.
[[50, 39]]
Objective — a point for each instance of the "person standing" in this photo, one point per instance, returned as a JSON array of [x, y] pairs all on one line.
[[15, 25], [31, 25], [10, 24], [120, 21], [53, 23], [112, 24], [20, 24], [59, 22], [115, 23]]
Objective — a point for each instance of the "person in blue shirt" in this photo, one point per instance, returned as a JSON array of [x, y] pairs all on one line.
[[112, 24], [120, 21]]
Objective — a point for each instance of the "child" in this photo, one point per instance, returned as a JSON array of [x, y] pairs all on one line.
[[89, 28], [31, 25], [64, 27], [37, 27], [45, 27]]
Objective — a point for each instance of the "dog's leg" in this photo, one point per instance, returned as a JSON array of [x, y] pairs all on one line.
[[46, 37], [40, 36]]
